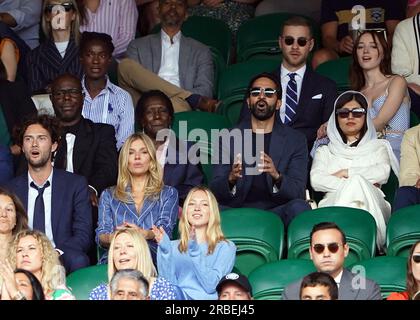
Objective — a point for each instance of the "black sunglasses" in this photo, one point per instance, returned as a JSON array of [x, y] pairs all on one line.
[[416, 258], [344, 112], [66, 5], [302, 41], [256, 91], [332, 247]]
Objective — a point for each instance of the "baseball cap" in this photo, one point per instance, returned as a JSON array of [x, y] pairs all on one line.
[[239, 279]]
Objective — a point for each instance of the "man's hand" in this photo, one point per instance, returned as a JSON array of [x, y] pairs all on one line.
[[346, 45], [93, 198], [267, 165], [236, 171], [418, 184], [213, 3]]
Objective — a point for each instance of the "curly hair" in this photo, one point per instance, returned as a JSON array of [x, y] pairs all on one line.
[[21, 218], [49, 123], [90, 37]]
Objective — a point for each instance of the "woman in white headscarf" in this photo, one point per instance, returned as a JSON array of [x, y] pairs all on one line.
[[354, 164]]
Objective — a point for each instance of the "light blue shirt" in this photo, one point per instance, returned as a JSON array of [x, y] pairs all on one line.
[[195, 272]]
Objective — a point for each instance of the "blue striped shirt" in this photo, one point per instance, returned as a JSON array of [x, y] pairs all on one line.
[[119, 113]]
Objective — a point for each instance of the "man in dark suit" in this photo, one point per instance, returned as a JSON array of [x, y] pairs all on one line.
[[262, 166], [57, 202], [308, 99], [86, 148], [328, 251], [179, 66]]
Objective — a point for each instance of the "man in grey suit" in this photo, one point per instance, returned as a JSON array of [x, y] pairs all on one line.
[[179, 66], [328, 250]]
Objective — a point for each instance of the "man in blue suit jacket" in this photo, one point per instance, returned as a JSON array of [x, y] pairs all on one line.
[[266, 169], [66, 218]]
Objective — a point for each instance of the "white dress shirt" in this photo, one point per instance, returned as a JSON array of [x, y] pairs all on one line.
[[70, 138], [337, 279], [32, 194], [170, 57], [284, 81]]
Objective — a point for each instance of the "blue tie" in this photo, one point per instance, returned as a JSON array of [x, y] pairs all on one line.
[[39, 209], [291, 98]]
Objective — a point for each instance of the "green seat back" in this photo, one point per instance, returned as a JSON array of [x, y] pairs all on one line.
[[83, 281], [390, 187], [231, 107], [388, 272], [414, 119], [337, 70], [403, 231], [199, 120], [235, 79], [258, 236], [259, 36], [269, 280], [358, 225]]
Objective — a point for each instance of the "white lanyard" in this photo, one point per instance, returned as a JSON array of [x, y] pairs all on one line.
[[106, 108]]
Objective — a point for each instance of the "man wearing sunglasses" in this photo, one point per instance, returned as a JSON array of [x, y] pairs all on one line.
[[328, 250], [264, 169]]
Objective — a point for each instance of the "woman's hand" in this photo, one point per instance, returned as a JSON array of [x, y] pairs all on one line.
[[158, 232], [9, 282], [343, 173], [322, 131]]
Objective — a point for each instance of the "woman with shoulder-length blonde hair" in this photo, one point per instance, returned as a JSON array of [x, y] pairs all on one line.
[[31, 250], [140, 199], [60, 23], [202, 256], [129, 250]]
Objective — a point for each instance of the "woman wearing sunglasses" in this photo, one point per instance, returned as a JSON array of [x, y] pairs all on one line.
[[59, 53], [389, 104], [353, 165], [413, 277]]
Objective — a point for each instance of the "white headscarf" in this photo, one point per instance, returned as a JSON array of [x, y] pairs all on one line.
[[367, 146]]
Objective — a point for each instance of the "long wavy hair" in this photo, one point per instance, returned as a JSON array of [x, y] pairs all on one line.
[[357, 78], [214, 233], [144, 258], [51, 273], [75, 24], [412, 286], [21, 218], [154, 179]]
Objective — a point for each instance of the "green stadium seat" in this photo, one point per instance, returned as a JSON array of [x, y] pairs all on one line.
[[390, 187], [258, 235], [200, 120], [231, 107], [269, 280], [414, 119], [337, 70], [83, 281], [403, 231], [388, 272], [259, 36], [358, 225]]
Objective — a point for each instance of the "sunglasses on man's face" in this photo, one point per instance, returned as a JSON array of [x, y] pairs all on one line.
[[345, 113], [332, 247], [301, 41], [416, 258], [66, 5], [268, 92]]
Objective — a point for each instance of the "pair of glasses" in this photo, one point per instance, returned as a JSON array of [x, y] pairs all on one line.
[[268, 92], [416, 258], [344, 113], [66, 5], [72, 92], [301, 41], [332, 247]]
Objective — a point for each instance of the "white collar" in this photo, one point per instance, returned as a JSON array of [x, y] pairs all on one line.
[[299, 72], [166, 38]]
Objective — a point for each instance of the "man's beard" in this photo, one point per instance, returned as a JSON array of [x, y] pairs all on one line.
[[263, 115]]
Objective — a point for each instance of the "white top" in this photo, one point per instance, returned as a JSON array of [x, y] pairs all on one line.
[[62, 47], [32, 194], [284, 81], [170, 56], [70, 138]]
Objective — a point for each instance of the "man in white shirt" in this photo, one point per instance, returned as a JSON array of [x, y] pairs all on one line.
[[179, 66]]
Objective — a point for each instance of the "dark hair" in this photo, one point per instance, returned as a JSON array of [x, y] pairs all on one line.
[[325, 226], [357, 78], [297, 21], [3, 71], [89, 37], [184, 1], [140, 107], [21, 218], [344, 98], [270, 76], [49, 123], [412, 286], [82, 11], [54, 83], [37, 291], [320, 279]]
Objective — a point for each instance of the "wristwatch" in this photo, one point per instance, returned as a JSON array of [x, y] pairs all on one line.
[[19, 296]]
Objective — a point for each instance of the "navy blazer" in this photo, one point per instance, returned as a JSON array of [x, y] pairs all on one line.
[[71, 212], [310, 112], [181, 173], [45, 63], [289, 153]]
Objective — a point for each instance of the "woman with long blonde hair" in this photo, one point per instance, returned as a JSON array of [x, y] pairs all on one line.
[[202, 256], [140, 199], [129, 250]]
